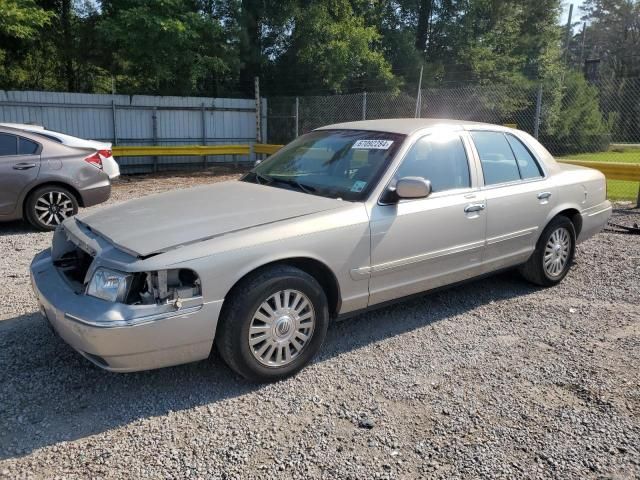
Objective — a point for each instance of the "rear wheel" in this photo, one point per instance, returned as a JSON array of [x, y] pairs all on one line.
[[48, 206], [551, 260], [273, 324]]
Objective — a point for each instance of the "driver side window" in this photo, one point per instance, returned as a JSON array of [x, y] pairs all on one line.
[[441, 159]]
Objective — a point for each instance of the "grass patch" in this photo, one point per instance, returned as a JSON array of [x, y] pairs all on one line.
[[621, 190], [615, 154]]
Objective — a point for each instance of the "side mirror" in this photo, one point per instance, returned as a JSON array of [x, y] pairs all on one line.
[[412, 187]]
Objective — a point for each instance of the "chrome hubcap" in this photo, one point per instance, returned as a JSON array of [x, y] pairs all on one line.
[[281, 328], [53, 207], [556, 252]]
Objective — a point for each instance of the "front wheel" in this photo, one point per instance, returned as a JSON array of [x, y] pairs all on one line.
[[273, 323], [551, 260]]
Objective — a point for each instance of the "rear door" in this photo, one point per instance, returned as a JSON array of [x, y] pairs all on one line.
[[519, 197], [19, 167]]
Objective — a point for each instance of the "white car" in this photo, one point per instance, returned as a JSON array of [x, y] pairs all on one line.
[[345, 218], [109, 165]]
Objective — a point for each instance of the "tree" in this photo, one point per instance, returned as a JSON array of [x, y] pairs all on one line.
[[171, 47], [329, 49], [581, 126], [20, 21]]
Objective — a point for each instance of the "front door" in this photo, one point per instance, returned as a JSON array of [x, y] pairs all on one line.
[[420, 244], [19, 166]]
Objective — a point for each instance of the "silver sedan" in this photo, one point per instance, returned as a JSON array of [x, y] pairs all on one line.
[[343, 219]]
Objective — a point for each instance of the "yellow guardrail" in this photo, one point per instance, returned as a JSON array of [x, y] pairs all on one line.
[[180, 150], [611, 170], [266, 148]]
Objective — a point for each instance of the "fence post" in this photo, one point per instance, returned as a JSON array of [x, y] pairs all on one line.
[[154, 126], [536, 120], [297, 116], [204, 133], [638, 200], [364, 105], [419, 96], [115, 123], [256, 81]]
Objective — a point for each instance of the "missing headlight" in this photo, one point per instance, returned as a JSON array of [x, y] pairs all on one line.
[[164, 287]]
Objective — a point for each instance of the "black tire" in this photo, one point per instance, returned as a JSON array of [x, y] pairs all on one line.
[[232, 336], [534, 269], [33, 210]]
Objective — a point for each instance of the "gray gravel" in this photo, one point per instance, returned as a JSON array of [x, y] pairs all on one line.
[[492, 379]]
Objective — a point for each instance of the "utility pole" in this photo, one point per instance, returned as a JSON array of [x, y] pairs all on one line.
[[584, 34], [419, 95], [568, 39]]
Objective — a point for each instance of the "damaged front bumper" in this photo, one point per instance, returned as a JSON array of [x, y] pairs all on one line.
[[120, 337]]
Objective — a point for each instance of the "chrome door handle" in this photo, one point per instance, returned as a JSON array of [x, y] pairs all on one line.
[[543, 195], [474, 207], [23, 166]]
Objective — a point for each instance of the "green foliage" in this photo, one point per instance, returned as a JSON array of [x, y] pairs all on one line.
[[335, 51], [580, 126], [20, 21], [165, 47]]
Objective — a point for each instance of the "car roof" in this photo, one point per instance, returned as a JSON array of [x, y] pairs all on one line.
[[407, 126], [58, 137]]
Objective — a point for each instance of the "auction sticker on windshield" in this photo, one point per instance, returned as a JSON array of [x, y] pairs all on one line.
[[358, 186], [373, 144]]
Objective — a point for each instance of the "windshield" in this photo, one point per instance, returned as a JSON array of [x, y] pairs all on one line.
[[332, 163]]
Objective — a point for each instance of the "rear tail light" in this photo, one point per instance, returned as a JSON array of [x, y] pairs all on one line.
[[95, 160], [104, 153]]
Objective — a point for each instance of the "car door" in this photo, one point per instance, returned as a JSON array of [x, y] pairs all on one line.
[[19, 166], [424, 243], [518, 195]]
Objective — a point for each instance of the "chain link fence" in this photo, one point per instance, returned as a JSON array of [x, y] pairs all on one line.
[[597, 122]]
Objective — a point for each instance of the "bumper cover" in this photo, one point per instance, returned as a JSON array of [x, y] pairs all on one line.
[[594, 219], [118, 337]]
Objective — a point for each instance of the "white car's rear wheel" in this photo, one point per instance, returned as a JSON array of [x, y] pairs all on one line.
[[48, 206], [551, 260]]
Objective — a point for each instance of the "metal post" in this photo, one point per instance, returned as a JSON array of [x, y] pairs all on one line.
[[536, 120], [419, 96], [638, 201], [258, 113], [204, 133], [364, 105], [154, 127], [297, 116], [115, 123]]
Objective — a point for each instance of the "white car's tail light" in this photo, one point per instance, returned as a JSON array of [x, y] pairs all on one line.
[[95, 159]]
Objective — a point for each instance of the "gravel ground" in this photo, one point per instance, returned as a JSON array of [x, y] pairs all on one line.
[[492, 379]]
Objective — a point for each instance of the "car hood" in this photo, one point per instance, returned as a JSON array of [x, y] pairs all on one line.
[[158, 223]]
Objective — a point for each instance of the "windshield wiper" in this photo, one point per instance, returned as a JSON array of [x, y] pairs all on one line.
[[260, 176], [295, 183]]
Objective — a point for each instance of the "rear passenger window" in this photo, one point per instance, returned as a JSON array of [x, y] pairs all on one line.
[[440, 159], [8, 144], [529, 168], [27, 147], [498, 163]]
